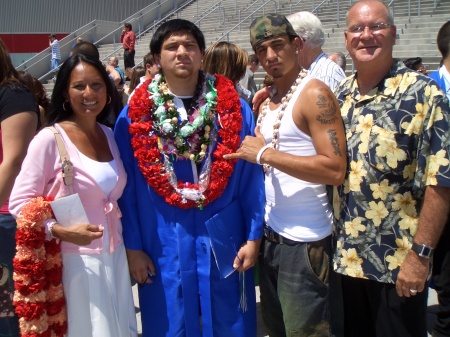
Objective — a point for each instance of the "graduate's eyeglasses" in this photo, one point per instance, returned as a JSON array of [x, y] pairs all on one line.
[[375, 28]]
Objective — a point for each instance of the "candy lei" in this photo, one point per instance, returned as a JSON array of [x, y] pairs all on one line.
[[155, 148], [284, 103]]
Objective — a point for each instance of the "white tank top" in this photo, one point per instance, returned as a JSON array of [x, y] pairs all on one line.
[[104, 173], [296, 209]]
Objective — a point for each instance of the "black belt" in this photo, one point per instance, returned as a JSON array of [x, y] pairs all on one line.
[[273, 236]]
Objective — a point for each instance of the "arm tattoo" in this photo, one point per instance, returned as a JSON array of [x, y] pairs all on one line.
[[327, 109], [334, 142]]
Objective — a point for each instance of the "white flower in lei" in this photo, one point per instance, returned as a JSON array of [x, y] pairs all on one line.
[[284, 103], [183, 138]]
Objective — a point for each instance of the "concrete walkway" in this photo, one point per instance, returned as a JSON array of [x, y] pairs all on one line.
[[432, 309]]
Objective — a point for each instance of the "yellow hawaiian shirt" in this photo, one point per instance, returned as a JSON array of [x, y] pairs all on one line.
[[398, 142]]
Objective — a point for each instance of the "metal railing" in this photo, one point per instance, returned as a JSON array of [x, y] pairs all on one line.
[[296, 4], [263, 7], [210, 11], [250, 16], [102, 32], [146, 20], [142, 29]]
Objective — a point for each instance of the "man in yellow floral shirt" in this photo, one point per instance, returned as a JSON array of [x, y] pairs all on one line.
[[394, 202]]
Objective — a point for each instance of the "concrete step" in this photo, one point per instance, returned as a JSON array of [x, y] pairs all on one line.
[[416, 34]]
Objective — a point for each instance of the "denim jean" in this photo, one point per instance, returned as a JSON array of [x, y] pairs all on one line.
[[294, 288], [54, 65], [8, 320]]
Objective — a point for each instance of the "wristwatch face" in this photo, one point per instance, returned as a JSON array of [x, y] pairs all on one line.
[[422, 250]]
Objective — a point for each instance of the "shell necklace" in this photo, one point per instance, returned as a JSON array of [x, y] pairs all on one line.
[[284, 103]]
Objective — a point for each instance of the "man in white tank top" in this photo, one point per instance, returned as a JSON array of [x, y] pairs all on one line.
[[300, 142]]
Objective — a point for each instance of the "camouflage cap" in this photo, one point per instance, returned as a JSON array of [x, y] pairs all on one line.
[[269, 26]]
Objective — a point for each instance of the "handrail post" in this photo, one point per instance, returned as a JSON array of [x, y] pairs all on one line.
[[418, 13], [94, 32], [409, 9], [140, 25], [338, 19], [239, 17]]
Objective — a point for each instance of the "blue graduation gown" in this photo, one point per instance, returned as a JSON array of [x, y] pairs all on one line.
[[187, 288]]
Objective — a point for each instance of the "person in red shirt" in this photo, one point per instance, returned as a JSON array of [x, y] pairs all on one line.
[[128, 39]]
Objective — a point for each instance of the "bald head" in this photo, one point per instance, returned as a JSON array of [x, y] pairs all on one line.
[[370, 36], [389, 14]]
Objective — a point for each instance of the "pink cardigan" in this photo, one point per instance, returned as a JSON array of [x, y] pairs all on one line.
[[41, 176]]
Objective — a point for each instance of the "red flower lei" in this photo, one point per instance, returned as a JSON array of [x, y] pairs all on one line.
[[145, 144], [39, 296]]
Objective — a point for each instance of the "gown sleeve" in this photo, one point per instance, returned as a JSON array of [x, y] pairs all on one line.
[[251, 185], [128, 203]]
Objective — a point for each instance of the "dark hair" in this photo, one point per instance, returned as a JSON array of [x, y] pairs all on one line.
[[57, 113], [443, 40], [40, 94], [128, 25], [138, 72], [8, 74], [175, 25], [86, 48], [412, 62], [253, 59], [226, 59], [26, 79], [148, 59], [35, 87], [268, 81]]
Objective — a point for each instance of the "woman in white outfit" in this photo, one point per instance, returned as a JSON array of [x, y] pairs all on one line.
[[96, 280]]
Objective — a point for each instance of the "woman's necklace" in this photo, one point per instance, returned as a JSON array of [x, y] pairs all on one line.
[[284, 103]]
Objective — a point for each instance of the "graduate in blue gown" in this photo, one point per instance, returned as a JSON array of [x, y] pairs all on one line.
[[176, 129]]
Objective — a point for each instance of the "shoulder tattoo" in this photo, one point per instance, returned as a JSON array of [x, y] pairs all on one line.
[[328, 111]]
